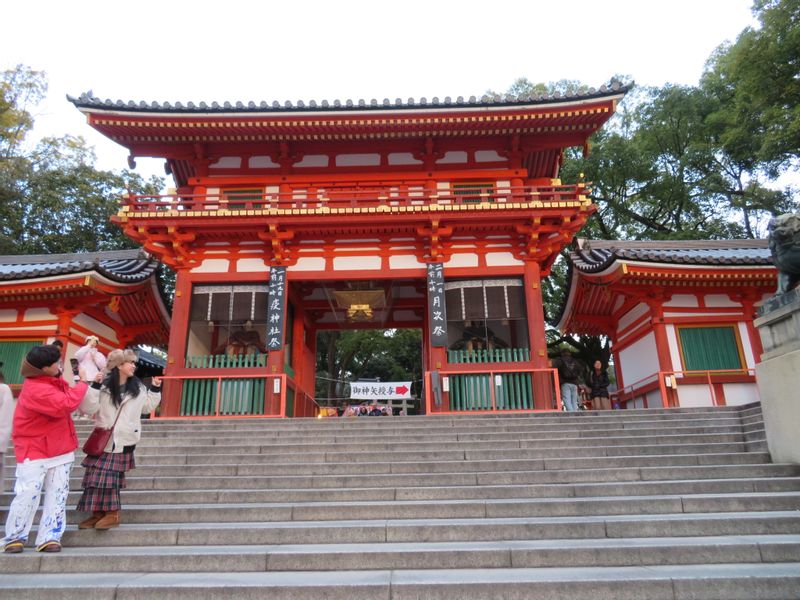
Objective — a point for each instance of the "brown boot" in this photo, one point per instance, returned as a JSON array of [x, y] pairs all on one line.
[[91, 521], [111, 519]]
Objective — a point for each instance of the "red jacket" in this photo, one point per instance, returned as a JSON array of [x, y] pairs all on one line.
[[43, 425]]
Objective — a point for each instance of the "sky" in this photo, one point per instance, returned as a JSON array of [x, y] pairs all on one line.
[[238, 50]]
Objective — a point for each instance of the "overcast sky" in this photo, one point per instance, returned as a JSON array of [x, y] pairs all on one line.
[[175, 50]]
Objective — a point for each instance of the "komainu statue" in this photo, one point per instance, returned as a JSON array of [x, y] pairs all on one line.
[[784, 243]]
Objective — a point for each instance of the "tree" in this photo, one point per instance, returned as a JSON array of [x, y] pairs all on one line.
[[760, 77], [348, 355], [52, 198]]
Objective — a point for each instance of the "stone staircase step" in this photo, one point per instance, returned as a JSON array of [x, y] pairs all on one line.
[[358, 530], [457, 555], [666, 582]]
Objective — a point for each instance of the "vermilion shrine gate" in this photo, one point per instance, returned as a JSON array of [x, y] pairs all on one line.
[[442, 215]]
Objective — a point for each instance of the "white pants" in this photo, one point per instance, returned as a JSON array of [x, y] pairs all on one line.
[[32, 477]]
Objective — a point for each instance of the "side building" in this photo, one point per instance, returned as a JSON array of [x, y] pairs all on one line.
[[113, 295], [679, 315]]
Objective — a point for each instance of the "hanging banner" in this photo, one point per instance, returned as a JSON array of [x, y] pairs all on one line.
[[437, 317], [276, 313], [387, 390]]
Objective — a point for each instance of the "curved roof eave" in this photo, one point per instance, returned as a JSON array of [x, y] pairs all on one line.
[[88, 102]]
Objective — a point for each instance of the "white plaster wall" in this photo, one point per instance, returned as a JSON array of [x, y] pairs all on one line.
[[631, 316], [309, 263], [251, 265], [639, 360], [453, 156], [261, 162], [95, 326], [404, 261], [212, 265], [39, 314], [313, 160], [674, 348], [7, 316], [501, 259], [740, 393], [638, 403], [488, 156], [462, 260], [227, 162], [654, 399], [403, 158], [747, 348], [720, 301], [358, 160], [684, 300], [694, 395], [355, 263]]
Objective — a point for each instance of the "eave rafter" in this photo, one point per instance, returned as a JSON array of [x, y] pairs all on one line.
[[171, 245], [434, 238], [278, 240]]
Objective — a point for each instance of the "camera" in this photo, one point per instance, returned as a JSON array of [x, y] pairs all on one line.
[[74, 363]]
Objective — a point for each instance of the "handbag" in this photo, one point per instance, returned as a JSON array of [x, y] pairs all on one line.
[[97, 441]]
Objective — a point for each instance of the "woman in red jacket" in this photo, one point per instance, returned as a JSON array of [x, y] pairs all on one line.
[[44, 444]]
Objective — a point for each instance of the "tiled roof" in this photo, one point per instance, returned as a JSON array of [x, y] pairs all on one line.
[[123, 266], [596, 255], [89, 100]]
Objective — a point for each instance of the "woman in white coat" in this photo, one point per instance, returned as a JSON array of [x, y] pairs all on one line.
[[6, 419], [90, 358], [120, 392]]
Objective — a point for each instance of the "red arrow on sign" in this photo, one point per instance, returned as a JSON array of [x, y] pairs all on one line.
[[400, 389]]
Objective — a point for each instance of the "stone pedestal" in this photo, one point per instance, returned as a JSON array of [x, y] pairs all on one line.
[[778, 374]]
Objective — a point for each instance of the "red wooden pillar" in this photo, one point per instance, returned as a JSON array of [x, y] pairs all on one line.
[[178, 333], [748, 308], [662, 347], [64, 326], [542, 395]]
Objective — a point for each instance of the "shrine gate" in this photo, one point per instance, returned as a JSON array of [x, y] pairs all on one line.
[[286, 219]]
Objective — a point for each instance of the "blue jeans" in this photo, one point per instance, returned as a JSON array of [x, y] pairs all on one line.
[[569, 396]]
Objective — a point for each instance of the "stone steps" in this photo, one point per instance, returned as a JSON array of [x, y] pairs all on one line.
[[672, 582], [428, 555], [644, 503]]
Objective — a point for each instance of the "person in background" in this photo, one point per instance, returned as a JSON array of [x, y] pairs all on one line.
[[569, 374], [121, 391], [6, 418], [44, 445], [90, 358], [599, 382]]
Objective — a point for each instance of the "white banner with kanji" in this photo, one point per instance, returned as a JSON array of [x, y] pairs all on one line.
[[386, 390]]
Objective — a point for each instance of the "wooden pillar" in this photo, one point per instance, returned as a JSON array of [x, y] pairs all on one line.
[[176, 352], [748, 308], [64, 326], [542, 396], [662, 348]]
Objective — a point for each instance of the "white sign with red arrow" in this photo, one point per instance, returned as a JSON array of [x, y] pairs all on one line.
[[380, 390]]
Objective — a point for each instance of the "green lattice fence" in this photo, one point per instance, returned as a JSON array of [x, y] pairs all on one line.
[[238, 396], [513, 391]]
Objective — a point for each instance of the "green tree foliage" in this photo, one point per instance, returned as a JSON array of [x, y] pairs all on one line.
[[388, 354], [52, 197], [758, 78]]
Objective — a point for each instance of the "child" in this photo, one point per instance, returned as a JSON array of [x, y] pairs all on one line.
[[90, 358], [44, 443]]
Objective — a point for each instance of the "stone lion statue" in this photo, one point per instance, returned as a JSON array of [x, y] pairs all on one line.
[[784, 244]]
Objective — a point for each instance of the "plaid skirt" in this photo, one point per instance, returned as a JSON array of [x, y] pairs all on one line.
[[103, 479]]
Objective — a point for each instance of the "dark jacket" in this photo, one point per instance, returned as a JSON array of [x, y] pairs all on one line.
[[599, 383], [569, 371]]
